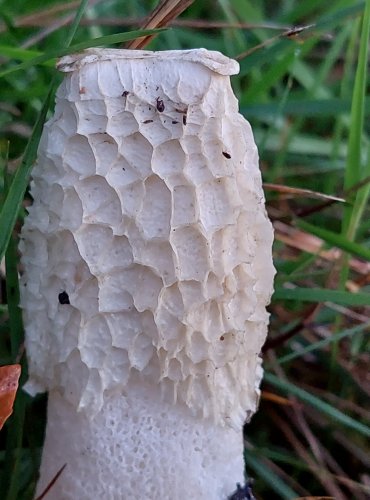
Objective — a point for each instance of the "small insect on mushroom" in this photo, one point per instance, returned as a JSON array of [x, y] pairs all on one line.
[[243, 493], [160, 105], [63, 298]]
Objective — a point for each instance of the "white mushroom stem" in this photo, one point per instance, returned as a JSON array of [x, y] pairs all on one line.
[[147, 257]]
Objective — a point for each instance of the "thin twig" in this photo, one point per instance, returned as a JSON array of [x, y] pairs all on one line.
[[290, 33], [51, 484]]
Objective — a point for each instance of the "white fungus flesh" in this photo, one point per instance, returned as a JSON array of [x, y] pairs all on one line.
[[147, 271]]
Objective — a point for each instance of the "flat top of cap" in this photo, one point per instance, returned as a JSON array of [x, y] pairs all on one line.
[[213, 60]]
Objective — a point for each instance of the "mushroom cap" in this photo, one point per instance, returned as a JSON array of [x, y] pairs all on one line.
[[147, 250]]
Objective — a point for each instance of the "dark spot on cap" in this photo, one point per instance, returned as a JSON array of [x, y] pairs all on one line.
[[63, 298], [222, 337], [184, 120], [125, 93], [147, 121], [226, 155], [174, 122], [160, 105]]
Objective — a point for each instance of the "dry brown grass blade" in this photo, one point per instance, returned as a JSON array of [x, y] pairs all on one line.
[[322, 474], [274, 398], [294, 191], [304, 212], [306, 318], [321, 454], [41, 17], [309, 243], [162, 15], [269, 464], [315, 498], [315, 460]]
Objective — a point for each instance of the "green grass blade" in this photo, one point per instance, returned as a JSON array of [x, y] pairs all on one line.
[[354, 171], [270, 478], [13, 201], [323, 343], [353, 167], [12, 293], [278, 456], [321, 406], [274, 74], [330, 20], [336, 239], [303, 108], [76, 21], [323, 295], [97, 42], [362, 197], [10, 481], [18, 53]]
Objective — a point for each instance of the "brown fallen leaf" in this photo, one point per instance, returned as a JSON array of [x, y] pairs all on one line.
[[9, 376]]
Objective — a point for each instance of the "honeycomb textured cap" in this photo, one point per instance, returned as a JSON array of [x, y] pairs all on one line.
[[147, 250]]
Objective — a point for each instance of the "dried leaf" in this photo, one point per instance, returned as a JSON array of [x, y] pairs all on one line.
[[9, 376]]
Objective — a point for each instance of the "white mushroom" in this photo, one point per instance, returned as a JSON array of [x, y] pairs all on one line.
[[148, 268]]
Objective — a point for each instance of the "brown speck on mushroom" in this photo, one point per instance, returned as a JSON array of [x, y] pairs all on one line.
[[160, 105], [125, 93], [226, 155], [184, 120], [174, 122], [147, 121], [222, 337], [82, 90]]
